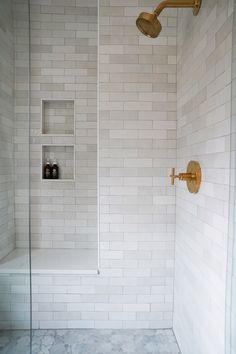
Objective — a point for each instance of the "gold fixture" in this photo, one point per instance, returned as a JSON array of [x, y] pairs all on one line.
[[193, 176], [148, 23]]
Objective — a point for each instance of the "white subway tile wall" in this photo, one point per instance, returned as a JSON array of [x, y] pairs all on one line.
[[14, 288], [7, 229], [137, 149], [15, 301], [203, 134], [21, 124], [64, 67]]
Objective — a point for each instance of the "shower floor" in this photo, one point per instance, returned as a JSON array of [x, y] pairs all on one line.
[[53, 261], [90, 342]]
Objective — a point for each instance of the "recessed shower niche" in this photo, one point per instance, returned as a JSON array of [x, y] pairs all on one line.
[[58, 117], [64, 155]]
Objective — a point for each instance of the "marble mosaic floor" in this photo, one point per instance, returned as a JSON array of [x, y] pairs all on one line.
[[90, 342]]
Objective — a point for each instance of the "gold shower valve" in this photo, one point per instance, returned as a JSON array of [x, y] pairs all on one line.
[[193, 176]]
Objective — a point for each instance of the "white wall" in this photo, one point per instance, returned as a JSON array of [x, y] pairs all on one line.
[[7, 230], [137, 204], [63, 67], [21, 124], [14, 58], [204, 93], [137, 149]]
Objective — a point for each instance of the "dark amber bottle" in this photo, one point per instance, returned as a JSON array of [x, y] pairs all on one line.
[[55, 170], [47, 171]]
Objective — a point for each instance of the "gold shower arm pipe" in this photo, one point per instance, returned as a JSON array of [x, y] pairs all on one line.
[[175, 3]]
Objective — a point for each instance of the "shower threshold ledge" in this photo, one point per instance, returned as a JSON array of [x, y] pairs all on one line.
[[51, 261]]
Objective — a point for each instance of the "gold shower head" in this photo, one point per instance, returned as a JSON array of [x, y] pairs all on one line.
[[150, 26]]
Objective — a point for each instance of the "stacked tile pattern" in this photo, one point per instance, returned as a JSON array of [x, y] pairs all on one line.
[[7, 230], [203, 134]]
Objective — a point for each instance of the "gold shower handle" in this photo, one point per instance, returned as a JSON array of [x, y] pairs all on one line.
[[193, 176], [173, 176]]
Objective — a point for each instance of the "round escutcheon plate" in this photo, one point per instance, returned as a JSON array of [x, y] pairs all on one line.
[[194, 168], [197, 7]]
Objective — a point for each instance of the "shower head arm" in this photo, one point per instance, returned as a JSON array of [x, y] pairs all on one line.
[[175, 3], [149, 24]]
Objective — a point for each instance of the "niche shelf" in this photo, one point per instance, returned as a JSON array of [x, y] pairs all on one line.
[[58, 117], [65, 157]]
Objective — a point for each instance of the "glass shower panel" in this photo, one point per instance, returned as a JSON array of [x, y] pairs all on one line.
[[231, 283], [15, 297]]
